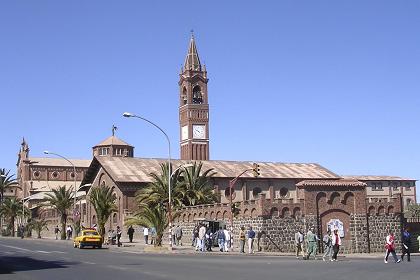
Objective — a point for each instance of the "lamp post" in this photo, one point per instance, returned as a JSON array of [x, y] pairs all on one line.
[[74, 173], [130, 115], [3, 176]]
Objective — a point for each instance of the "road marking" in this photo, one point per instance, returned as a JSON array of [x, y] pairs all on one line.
[[17, 248], [43, 252], [88, 263]]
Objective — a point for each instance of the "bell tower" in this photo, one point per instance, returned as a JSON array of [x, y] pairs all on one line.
[[193, 107]]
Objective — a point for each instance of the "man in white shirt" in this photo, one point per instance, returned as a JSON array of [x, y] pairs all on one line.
[[146, 235], [227, 239], [202, 237]]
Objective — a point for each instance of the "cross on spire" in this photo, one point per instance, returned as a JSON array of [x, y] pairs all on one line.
[[114, 128]]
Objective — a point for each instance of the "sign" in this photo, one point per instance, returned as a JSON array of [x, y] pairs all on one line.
[[336, 224]]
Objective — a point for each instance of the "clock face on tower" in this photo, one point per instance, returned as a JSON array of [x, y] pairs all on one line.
[[184, 133], [199, 131]]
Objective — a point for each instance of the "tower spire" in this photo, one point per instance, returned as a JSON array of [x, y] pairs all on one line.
[[192, 61]]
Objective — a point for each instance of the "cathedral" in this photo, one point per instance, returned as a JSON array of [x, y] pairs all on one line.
[[284, 198]]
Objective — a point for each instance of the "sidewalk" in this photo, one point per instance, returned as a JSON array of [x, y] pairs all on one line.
[[138, 247]]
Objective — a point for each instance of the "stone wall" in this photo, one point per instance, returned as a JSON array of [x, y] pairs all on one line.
[[379, 227]]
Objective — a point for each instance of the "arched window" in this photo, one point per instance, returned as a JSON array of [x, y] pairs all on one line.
[[284, 192], [197, 97], [256, 191], [114, 218], [184, 96]]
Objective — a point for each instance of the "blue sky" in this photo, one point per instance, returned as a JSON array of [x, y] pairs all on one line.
[[332, 82]]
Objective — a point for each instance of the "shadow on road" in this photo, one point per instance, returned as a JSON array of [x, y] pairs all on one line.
[[10, 264]]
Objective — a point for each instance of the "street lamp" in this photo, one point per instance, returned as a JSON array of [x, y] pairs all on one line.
[[130, 115], [3, 176], [74, 173]]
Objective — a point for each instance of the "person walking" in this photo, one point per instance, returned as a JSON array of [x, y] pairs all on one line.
[[221, 239], [406, 244], [299, 239], [390, 248], [56, 231], [130, 233], [195, 236], [328, 247], [119, 233], [146, 235], [335, 243], [312, 246], [242, 237], [202, 238], [251, 237], [227, 239], [178, 235]]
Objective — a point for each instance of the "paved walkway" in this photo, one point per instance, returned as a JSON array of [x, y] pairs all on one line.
[[138, 247]]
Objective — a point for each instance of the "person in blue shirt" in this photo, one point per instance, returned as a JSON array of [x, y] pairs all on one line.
[[251, 237], [406, 244]]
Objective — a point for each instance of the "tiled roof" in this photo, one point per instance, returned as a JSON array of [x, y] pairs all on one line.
[[138, 169], [113, 140], [331, 183], [51, 161], [376, 178]]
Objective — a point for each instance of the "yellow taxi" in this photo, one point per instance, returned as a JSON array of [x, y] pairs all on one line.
[[88, 237]]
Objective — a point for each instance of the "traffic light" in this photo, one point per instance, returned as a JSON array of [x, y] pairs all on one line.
[[256, 169], [234, 209]]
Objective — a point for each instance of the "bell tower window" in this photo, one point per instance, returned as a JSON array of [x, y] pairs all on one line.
[[184, 96], [197, 97]]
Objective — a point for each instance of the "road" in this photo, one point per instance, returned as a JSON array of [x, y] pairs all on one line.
[[40, 259]]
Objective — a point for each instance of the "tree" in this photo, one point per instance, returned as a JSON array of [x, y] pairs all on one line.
[[6, 181], [61, 199], [196, 188], [103, 200], [157, 192], [38, 226], [11, 208], [155, 216]]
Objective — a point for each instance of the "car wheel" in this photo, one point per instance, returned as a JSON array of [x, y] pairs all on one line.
[[80, 246], [100, 247]]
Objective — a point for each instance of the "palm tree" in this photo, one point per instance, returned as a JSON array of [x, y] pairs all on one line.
[[103, 200], [11, 208], [157, 192], [151, 216], [61, 200], [196, 188], [38, 226], [6, 181]]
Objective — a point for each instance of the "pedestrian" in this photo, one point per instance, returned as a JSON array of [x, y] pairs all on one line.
[[194, 236], [130, 233], [109, 241], [71, 232], [227, 239], [202, 237], [178, 235], [173, 237], [335, 243], [209, 240], [95, 227], [152, 231], [22, 231], [146, 235], [406, 244], [242, 237], [299, 239], [311, 240], [251, 237], [56, 231], [68, 232], [328, 247], [390, 248], [119, 232], [418, 240], [221, 239]]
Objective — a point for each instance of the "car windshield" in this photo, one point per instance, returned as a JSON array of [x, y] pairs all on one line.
[[90, 233]]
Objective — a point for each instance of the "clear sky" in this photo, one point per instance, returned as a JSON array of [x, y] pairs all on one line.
[[332, 82]]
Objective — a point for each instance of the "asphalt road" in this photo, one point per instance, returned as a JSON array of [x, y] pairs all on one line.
[[35, 259]]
